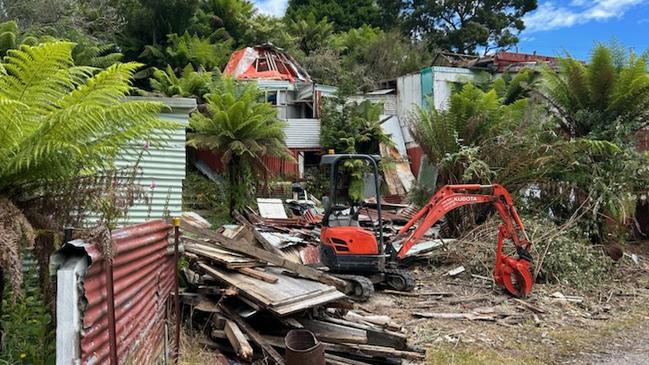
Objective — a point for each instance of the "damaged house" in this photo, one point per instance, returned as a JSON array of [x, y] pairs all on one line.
[[287, 86]]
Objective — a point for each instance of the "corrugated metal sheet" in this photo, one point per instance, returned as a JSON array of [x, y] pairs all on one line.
[[143, 280], [280, 167], [302, 133], [163, 167], [408, 96]]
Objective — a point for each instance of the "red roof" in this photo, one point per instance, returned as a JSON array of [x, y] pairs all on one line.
[[266, 63]]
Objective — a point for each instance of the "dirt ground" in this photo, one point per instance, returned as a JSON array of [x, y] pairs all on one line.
[[610, 326]]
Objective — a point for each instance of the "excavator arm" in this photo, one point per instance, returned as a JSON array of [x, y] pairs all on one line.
[[512, 273]]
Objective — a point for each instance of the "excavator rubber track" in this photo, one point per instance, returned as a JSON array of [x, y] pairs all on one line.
[[401, 280], [362, 287]]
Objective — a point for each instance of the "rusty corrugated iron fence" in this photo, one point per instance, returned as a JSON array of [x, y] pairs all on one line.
[[143, 280]]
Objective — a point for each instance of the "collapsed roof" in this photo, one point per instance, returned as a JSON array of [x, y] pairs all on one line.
[[265, 62]]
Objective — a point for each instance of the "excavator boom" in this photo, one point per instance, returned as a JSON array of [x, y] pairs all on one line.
[[509, 272]]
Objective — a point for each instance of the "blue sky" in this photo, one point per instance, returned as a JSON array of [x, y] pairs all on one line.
[[566, 26]]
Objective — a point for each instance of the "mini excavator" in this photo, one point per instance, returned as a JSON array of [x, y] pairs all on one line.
[[363, 258]]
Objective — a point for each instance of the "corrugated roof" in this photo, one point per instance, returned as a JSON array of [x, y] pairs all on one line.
[[302, 133], [143, 279]]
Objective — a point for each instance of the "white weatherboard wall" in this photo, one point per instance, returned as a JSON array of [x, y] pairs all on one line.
[[443, 80], [302, 133], [162, 166]]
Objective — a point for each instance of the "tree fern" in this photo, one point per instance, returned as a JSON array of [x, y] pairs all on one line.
[[599, 99], [59, 121], [242, 130]]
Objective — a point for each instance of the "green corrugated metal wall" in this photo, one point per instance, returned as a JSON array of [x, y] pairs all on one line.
[[162, 166], [426, 85]]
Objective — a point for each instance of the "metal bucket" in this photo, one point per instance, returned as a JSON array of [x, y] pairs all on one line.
[[303, 348]]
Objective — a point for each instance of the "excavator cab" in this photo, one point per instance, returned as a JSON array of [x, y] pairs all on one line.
[[348, 249], [345, 245]]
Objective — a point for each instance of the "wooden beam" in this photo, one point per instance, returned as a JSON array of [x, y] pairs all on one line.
[[238, 340], [262, 240], [254, 335], [263, 255], [258, 274]]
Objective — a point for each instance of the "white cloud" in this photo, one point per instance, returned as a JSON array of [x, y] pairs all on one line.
[[272, 7], [549, 16]]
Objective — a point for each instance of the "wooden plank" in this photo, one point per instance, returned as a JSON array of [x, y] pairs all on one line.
[[376, 336], [335, 359], [237, 339], [467, 316], [222, 259], [220, 254], [260, 254], [258, 274], [254, 335], [416, 294], [330, 332], [288, 295], [370, 350], [260, 238], [357, 349]]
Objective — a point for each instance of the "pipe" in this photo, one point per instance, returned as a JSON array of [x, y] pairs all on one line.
[[176, 354], [110, 300]]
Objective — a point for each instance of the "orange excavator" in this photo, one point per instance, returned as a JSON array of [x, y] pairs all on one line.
[[363, 258]]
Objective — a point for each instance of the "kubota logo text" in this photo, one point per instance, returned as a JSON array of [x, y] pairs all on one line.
[[465, 199]]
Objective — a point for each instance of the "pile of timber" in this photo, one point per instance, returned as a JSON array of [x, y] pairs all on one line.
[[246, 298]]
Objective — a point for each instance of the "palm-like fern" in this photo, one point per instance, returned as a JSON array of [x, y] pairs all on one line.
[[242, 129], [59, 121], [595, 99], [190, 83], [473, 116], [310, 32]]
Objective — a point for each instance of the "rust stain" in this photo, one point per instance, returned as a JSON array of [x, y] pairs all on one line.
[[143, 279]]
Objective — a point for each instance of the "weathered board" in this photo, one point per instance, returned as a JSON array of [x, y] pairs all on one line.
[[288, 295]]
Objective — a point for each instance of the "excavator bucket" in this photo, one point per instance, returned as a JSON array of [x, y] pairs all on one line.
[[514, 275]]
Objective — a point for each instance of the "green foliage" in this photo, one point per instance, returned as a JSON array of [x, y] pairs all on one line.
[[607, 98], [28, 334], [369, 55], [61, 119], [86, 52], [344, 14], [451, 138], [353, 128], [572, 260], [241, 128], [269, 29], [200, 52], [232, 15], [190, 83], [208, 197], [310, 32], [465, 26]]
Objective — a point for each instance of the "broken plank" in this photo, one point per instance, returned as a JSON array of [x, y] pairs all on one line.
[[529, 306], [229, 261], [260, 238], [416, 294], [375, 335], [258, 274], [467, 316], [254, 335], [238, 340], [335, 360], [330, 332], [260, 254], [371, 350]]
